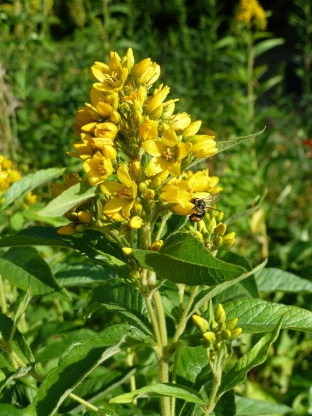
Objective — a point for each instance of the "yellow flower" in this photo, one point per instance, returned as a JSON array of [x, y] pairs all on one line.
[[106, 130], [30, 198], [135, 223], [98, 168], [124, 193], [180, 121], [112, 77], [203, 146], [202, 182], [147, 71], [139, 95], [83, 150], [149, 129], [179, 193], [192, 129], [56, 188], [251, 8], [167, 153], [158, 98]]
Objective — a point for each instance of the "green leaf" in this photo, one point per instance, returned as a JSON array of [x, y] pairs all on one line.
[[161, 390], [122, 299], [257, 355], [21, 309], [23, 266], [73, 196], [234, 142], [190, 364], [183, 259], [206, 294], [226, 405], [19, 345], [7, 375], [93, 413], [28, 183], [92, 244], [10, 410], [266, 45], [250, 407], [72, 274], [173, 225], [261, 316], [272, 280], [76, 363]]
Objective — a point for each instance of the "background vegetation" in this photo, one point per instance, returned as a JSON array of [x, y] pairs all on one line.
[[236, 78]]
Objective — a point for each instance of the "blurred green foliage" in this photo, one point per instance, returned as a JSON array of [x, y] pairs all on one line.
[[235, 78]]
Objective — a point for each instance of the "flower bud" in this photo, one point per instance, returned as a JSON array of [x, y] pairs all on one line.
[[180, 121], [84, 217], [135, 223], [157, 245], [226, 334], [80, 228], [192, 129], [142, 187], [136, 171], [71, 216], [220, 315], [115, 117], [217, 241], [221, 326], [156, 183], [231, 323], [220, 229], [210, 337], [199, 236], [168, 110], [212, 225], [149, 194], [127, 251], [156, 114], [200, 323], [236, 332], [137, 208], [213, 325], [67, 229], [149, 129], [228, 240], [134, 274], [138, 118]]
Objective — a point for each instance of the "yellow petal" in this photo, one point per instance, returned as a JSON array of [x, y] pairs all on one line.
[[123, 176], [184, 149], [154, 147], [174, 167], [169, 138], [156, 165], [111, 187]]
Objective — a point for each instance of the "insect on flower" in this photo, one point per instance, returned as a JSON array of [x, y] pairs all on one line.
[[199, 210]]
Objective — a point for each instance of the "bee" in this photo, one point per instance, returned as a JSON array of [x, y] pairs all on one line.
[[200, 206]]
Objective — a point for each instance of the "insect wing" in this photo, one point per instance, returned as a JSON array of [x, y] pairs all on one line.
[[211, 199]]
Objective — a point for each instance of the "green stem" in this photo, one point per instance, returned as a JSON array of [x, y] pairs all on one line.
[[162, 225], [183, 321], [174, 379], [181, 288], [213, 394], [4, 308]]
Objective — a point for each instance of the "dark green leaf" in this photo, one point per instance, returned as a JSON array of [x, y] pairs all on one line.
[[28, 183], [81, 274], [122, 299], [76, 363], [6, 375], [183, 259], [23, 266], [90, 243]]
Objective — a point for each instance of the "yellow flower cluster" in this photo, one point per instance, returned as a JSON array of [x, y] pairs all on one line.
[[251, 9], [7, 174], [136, 148]]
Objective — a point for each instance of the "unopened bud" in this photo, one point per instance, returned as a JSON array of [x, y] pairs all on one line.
[[71, 215], [80, 228], [220, 315], [208, 339], [84, 217], [221, 326], [220, 229], [157, 245], [127, 251], [142, 187], [226, 334], [228, 240], [149, 194], [217, 241], [156, 183], [138, 118], [115, 117], [199, 236], [134, 274], [236, 332], [135, 223], [231, 323], [67, 229], [213, 325], [156, 114], [137, 208], [200, 323], [220, 215], [212, 225]]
